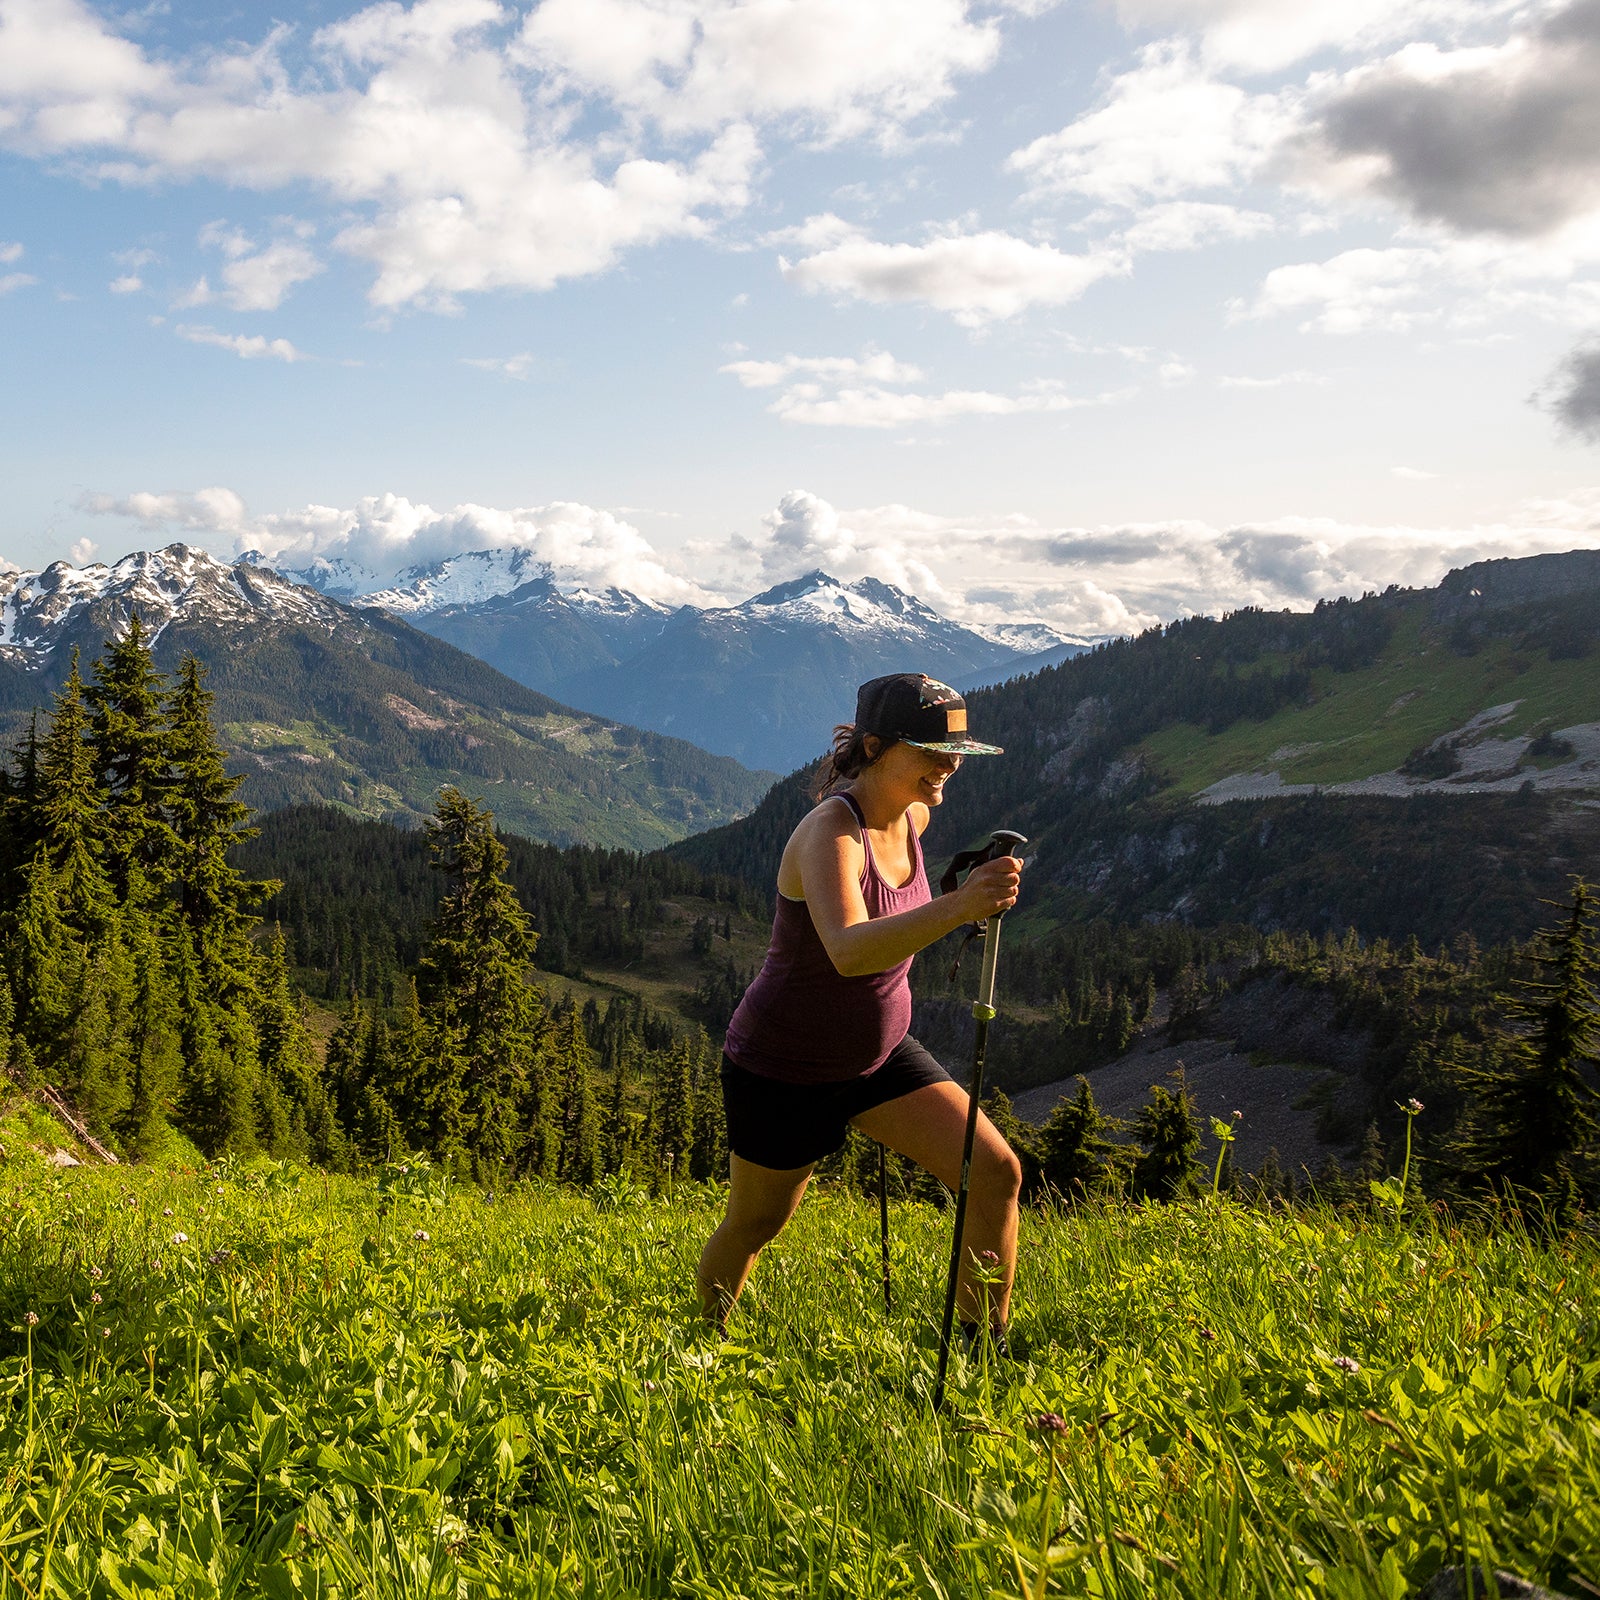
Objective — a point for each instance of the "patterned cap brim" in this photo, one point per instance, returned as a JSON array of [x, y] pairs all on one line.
[[956, 747]]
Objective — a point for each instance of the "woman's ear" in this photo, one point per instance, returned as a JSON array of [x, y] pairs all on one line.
[[873, 746]]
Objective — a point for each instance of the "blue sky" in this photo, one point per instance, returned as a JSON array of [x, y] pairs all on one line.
[[1097, 313]]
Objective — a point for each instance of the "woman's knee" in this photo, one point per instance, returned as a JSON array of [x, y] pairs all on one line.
[[756, 1227], [997, 1177]]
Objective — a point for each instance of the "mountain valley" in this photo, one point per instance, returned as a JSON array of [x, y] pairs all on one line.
[[759, 681]]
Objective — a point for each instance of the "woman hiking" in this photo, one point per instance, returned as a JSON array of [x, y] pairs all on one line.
[[819, 1042]]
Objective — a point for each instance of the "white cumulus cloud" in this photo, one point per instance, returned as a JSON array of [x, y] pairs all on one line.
[[1161, 131], [256, 278], [876, 367], [845, 68], [976, 277], [381, 536], [249, 346]]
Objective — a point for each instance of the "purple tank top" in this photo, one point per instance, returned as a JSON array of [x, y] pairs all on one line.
[[802, 1021]]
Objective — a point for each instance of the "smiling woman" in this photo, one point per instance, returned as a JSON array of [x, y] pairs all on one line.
[[819, 1044]]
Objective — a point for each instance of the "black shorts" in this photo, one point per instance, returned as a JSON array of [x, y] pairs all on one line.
[[787, 1125]]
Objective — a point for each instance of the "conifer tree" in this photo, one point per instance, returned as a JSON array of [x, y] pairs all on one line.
[[1166, 1127], [289, 1066], [579, 1123], [91, 1060], [215, 900], [674, 1123], [20, 826], [1536, 1109], [152, 1039], [708, 1144], [616, 1141], [132, 760], [44, 961], [427, 1090], [1076, 1153], [1270, 1181], [342, 1065], [473, 981], [217, 1099], [71, 822]]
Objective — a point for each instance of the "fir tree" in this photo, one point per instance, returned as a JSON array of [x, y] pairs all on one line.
[[1076, 1154], [674, 1121], [1536, 1109], [578, 1116], [21, 827], [217, 1099], [708, 1145], [44, 961], [71, 821], [1270, 1181], [1166, 1168], [289, 1067], [132, 760], [216, 901], [616, 1140], [1371, 1162], [473, 980], [153, 1041]]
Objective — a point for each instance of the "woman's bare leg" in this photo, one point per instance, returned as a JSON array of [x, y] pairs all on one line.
[[760, 1201], [929, 1126]]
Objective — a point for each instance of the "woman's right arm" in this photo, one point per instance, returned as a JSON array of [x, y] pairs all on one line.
[[830, 858]]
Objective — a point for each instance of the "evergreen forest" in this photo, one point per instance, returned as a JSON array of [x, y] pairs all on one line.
[[345, 992]]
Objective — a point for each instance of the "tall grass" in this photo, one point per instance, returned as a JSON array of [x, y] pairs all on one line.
[[299, 1385]]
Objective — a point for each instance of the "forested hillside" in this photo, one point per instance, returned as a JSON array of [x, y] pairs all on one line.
[[356, 898], [1478, 818]]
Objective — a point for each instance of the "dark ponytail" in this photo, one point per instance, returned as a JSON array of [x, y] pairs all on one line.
[[848, 758]]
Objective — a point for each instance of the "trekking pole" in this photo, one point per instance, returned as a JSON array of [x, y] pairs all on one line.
[[883, 1224], [1002, 843]]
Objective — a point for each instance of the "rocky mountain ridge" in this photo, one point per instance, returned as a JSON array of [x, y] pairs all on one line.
[[320, 701]]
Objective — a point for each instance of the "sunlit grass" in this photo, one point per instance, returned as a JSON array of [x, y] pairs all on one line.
[[299, 1385], [1366, 722]]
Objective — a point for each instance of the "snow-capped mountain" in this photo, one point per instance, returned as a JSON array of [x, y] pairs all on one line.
[[673, 670], [326, 703], [466, 579], [766, 681], [1026, 638], [84, 606]]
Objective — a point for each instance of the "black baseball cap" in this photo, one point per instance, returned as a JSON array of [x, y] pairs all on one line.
[[920, 711]]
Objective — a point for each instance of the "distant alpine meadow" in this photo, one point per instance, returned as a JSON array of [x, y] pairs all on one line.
[[258, 1379]]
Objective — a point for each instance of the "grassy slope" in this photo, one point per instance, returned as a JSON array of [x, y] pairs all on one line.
[[315, 1392], [1369, 721]]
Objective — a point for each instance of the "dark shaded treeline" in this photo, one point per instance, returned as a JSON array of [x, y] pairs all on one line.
[[356, 898], [481, 1073]]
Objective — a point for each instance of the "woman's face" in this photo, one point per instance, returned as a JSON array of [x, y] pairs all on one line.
[[913, 773]]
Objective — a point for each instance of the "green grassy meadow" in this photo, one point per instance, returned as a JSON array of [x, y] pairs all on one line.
[[272, 1382], [1368, 721]]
